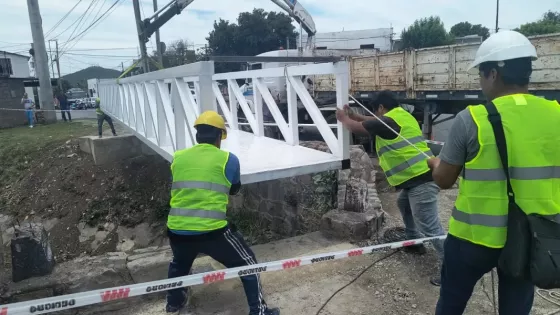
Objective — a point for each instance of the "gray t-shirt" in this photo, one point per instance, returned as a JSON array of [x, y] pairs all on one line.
[[462, 142]]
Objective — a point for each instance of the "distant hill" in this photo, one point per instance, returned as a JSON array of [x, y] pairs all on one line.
[[80, 78]]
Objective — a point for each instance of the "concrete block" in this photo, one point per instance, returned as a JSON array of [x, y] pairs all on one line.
[[351, 225], [110, 149]]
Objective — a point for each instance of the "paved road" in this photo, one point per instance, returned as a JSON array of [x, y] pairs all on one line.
[[79, 114]]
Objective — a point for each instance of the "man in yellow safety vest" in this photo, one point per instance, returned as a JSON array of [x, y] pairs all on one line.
[[478, 226], [101, 117], [404, 167], [203, 178]]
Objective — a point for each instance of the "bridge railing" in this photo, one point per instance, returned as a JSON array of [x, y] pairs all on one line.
[[160, 107]]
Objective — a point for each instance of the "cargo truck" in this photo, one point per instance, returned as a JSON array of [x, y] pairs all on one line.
[[434, 81]]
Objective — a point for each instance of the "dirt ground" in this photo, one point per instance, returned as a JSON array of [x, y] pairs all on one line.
[[396, 286], [54, 181]]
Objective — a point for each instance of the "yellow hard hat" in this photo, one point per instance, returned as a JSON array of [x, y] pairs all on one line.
[[212, 118]]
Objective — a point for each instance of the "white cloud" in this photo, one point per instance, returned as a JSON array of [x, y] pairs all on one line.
[[119, 30]]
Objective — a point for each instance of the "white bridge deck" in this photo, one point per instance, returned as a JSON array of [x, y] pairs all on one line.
[[160, 109]]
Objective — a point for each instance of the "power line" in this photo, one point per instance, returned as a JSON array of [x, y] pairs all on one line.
[[95, 49], [78, 19], [86, 63], [62, 19], [95, 23], [104, 56], [79, 22]]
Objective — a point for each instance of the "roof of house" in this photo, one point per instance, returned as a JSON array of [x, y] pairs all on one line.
[[3, 53]]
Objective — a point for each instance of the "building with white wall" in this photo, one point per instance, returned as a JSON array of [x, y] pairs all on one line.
[[15, 66], [92, 87], [380, 38]]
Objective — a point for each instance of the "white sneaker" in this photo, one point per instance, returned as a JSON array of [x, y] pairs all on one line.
[[30, 126]]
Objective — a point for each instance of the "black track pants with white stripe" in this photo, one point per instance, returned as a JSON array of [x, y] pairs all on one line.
[[227, 247]]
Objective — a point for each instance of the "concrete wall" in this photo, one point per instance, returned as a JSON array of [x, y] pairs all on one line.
[[11, 91], [20, 66], [381, 38]]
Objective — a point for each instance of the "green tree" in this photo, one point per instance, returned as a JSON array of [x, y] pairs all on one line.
[[426, 32], [178, 53], [466, 28], [549, 23], [254, 33]]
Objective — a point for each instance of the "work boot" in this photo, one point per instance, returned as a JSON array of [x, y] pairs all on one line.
[[100, 136], [114, 134], [175, 309], [272, 311], [436, 280], [419, 249]]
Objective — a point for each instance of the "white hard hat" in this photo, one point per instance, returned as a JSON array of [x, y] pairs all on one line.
[[504, 45]]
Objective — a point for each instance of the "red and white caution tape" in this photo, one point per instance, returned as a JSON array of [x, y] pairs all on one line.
[[64, 302], [36, 110]]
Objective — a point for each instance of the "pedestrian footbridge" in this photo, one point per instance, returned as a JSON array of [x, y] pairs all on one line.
[[160, 108]]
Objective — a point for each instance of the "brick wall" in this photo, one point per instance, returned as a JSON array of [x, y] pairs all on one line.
[[11, 92]]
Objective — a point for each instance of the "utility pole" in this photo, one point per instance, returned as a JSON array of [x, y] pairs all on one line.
[[58, 67], [41, 61], [497, 13], [122, 66], [158, 41], [141, 38]]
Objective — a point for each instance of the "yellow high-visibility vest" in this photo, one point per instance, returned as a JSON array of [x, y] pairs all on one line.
[[399, 160], [533, 142], [200, 190]]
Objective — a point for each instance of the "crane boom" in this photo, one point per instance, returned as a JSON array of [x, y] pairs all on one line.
[[300, 14], [173, 8], [294, 9]]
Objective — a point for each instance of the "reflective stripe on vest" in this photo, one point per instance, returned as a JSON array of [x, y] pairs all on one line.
[[207, 214], [521, 173], [200, 189], [201, 185], [481, 210], [399, 160], [399, 145], [490, 220]]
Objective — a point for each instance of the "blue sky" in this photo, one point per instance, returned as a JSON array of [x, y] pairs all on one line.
[[119, 31]]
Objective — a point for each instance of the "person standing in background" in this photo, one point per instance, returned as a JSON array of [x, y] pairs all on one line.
[[63, 100], [28, 105]]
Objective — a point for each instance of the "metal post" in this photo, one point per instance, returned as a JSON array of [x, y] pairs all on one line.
[[158, 41], [300, 49], [52, 60], [497, 13], [287, 42], [42, 64], [58, 66], [141, 39]]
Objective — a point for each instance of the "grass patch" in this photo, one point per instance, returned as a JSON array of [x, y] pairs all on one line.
[[22, 148]]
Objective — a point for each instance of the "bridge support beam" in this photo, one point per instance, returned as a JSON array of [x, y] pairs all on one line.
[[112, 149]]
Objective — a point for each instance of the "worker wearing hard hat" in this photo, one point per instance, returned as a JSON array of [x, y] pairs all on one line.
[[203, 178], [101, 117], [483, 219], [404, 167]]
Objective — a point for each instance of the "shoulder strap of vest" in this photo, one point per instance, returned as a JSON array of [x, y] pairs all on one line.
[[496, 122]]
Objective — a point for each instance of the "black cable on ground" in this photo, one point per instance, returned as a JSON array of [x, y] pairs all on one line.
[[356, 278]]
